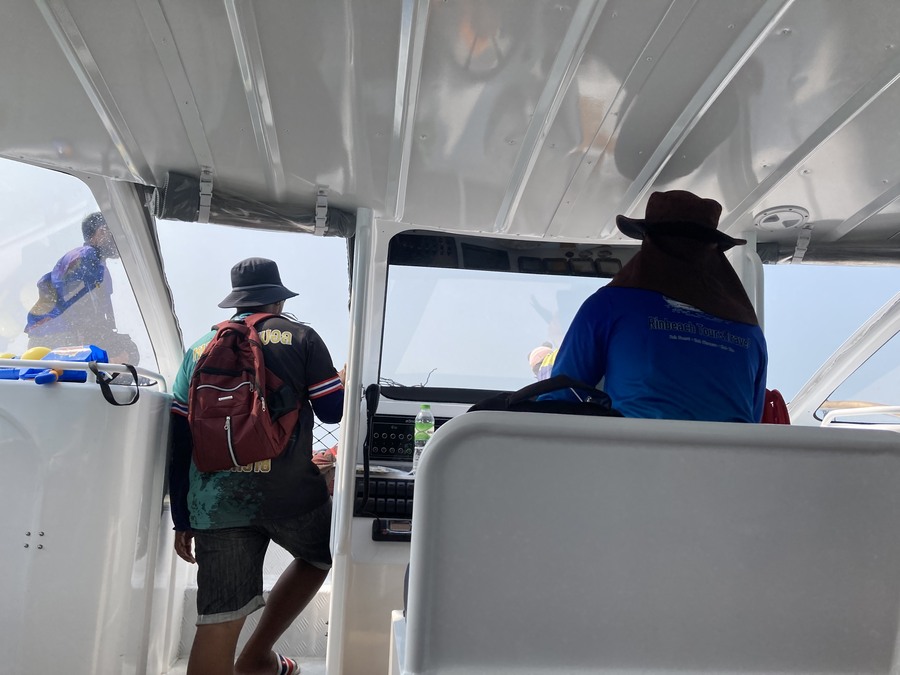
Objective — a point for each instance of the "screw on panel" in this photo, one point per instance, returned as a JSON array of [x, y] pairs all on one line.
[[40, 546], [26, 545], [28, 534], [40, 534]]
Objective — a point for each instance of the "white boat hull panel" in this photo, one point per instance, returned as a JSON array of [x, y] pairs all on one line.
[[80, 573]]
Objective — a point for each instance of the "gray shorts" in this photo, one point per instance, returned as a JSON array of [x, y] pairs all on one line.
[[230, 561]]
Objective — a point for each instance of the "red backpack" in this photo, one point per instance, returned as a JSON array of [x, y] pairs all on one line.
[[239, 411]]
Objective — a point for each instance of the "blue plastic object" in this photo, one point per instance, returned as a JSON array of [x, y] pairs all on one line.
[[48, 376], [82, 353]]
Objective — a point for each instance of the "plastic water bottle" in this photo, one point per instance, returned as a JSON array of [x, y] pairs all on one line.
[[423, 432]]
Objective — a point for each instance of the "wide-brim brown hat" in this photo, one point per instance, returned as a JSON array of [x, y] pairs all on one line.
[[255, 282], [682, 214]]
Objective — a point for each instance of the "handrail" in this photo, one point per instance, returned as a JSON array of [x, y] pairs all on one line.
[[868, 410], [83, 365]]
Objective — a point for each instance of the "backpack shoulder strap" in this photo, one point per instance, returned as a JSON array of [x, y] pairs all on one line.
[[249, 321], [254, 319], [235, 326]]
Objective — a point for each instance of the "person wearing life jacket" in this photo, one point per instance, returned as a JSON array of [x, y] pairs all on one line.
[[536, 359], [674, 334], [541, 360], [74, 305]]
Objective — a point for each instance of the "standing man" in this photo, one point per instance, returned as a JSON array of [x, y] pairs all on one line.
[[74, 304], [231, 516], [673, 335]]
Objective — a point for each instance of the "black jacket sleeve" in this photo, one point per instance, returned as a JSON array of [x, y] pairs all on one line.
[[180, 448]]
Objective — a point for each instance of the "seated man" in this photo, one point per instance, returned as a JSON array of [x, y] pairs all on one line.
[[673, 335]]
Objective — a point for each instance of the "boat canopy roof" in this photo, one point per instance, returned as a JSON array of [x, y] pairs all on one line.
[[533, 119]]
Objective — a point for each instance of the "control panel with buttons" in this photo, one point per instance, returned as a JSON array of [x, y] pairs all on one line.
[[388, 498], [392, 437]]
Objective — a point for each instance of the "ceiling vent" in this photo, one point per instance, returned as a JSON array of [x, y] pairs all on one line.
[[782, 218]]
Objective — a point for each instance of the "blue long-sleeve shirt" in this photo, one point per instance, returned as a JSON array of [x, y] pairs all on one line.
[[659, 358]]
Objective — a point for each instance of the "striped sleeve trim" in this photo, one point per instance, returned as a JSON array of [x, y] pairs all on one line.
[[179, 408], [325, 387]]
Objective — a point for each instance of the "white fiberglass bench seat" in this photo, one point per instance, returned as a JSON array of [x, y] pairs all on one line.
[[82, 487], [563, 544]]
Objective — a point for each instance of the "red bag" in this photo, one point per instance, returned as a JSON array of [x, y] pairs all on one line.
[[239, 411], [775, 410]]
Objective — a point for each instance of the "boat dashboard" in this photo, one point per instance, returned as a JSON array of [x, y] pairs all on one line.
[[385, 486]]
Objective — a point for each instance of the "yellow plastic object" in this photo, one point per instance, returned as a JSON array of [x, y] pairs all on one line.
[[35, 353], [7, 355]]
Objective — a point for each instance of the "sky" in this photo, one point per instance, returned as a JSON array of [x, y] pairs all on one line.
[[811, 309], [198, 268]]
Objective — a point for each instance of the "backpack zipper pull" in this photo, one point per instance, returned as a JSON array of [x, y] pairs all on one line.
[[262, 400], [234, 459]]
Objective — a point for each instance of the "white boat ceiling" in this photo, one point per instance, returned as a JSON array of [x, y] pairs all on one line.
[[537, 119]]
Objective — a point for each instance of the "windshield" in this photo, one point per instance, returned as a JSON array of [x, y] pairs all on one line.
[[471, 329]]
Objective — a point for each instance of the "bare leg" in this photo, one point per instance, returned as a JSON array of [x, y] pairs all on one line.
[[213, 650], [296, 586]]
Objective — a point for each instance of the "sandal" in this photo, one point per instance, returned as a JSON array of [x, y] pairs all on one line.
[[287, 666]]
